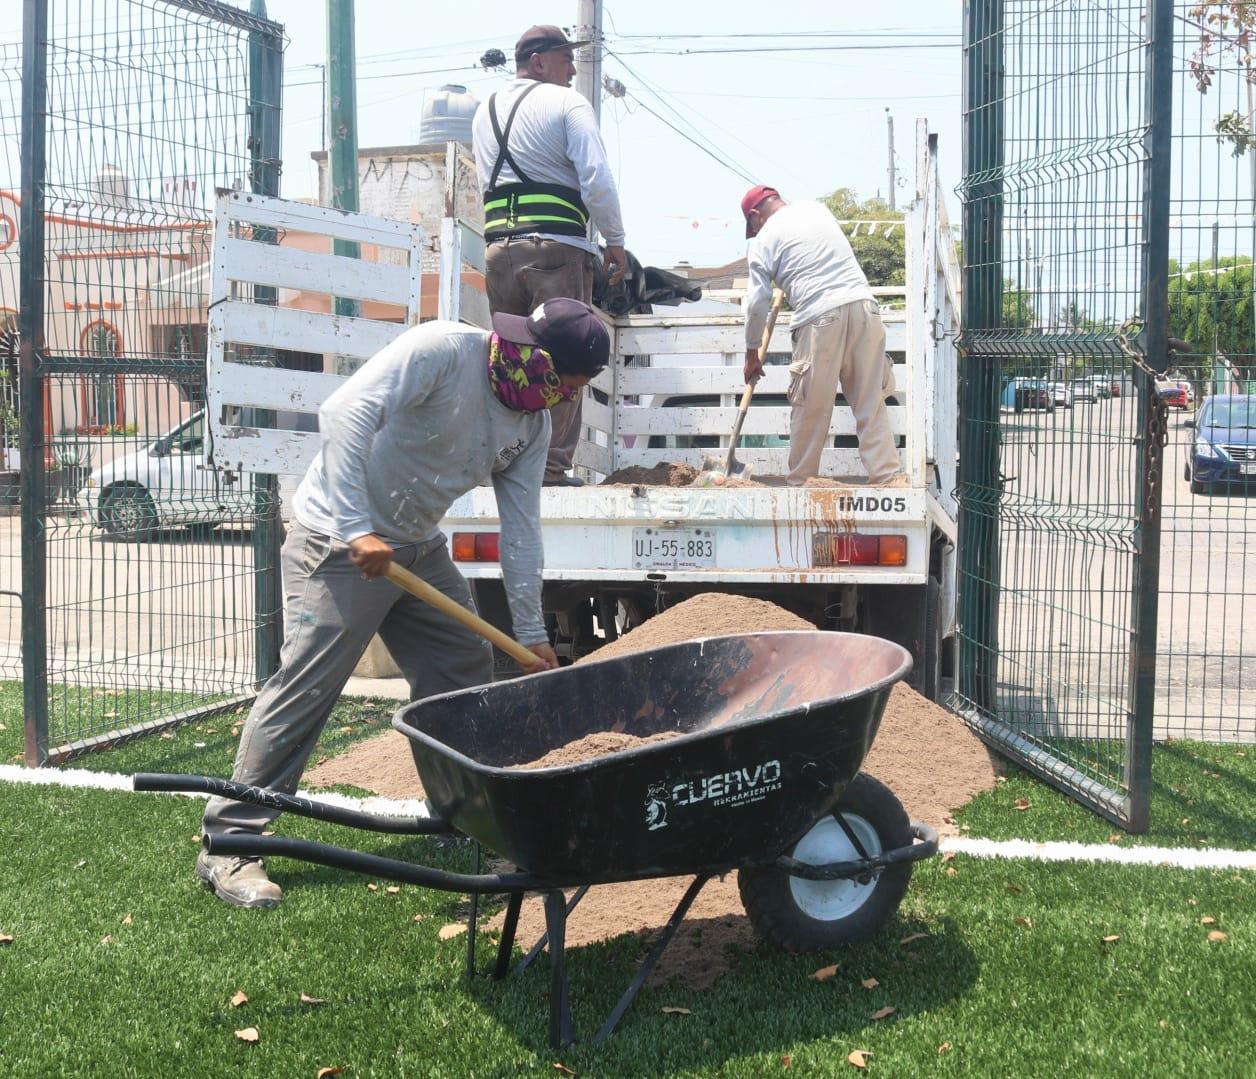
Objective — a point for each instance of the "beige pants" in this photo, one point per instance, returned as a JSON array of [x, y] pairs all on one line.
[[521, 273], [845, 345]]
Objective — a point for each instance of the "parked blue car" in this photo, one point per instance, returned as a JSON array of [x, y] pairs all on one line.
[[1223, 451]]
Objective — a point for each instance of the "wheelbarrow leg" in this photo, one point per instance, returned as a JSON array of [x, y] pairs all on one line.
[[651, 960], [507, 943], [539, 946], [473, 918], [561, 1033]]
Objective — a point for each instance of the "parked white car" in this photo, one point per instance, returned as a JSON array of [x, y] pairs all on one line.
[[166, 484], [1062, 395]]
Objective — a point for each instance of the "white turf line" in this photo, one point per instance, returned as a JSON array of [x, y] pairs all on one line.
[[1174, 857]]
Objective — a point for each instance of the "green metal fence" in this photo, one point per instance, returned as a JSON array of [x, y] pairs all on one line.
[[141, 588], [1104, 577]]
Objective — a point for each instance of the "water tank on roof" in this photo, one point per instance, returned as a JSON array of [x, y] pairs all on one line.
[[447, 115]]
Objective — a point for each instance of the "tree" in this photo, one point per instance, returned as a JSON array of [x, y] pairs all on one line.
[[1212, 308], [1018, 308], [880, 248], [1229, 27]]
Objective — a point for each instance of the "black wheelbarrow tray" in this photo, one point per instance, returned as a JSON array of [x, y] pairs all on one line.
[[762, 776]]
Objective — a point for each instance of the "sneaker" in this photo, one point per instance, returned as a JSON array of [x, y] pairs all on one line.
[[242, 882], [899, 479]]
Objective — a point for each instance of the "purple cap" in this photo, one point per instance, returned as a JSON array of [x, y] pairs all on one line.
[[570, 331]]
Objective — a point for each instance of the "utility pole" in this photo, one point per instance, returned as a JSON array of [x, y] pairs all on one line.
[[889, 121], [589, 60], [342, 133]]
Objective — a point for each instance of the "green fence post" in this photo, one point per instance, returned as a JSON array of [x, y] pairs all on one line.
[[31, 384], [979, 478], [342, 127]]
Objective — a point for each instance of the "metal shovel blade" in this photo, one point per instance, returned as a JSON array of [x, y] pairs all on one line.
[[717, 471]]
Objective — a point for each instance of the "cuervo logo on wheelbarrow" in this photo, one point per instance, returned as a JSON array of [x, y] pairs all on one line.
[[739, 787]]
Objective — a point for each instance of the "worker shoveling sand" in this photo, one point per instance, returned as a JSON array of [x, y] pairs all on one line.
[[922, 752]]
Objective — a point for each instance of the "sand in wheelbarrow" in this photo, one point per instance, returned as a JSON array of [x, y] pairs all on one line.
[[922, 752]]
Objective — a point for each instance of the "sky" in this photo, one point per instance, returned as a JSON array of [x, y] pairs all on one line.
[[806, 122]]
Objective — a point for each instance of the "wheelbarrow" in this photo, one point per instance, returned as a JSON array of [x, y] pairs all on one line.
[[762, 776]]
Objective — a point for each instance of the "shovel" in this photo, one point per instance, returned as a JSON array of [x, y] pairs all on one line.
[[420, 589], [718, 471]]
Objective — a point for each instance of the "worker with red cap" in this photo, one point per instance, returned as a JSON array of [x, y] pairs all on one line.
[[543, 170], [836, 332]]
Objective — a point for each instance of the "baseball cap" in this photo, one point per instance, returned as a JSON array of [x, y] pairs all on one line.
[[542, 39], [570, 331], [752, 198]]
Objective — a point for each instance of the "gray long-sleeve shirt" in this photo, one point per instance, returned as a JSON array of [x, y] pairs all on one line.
[[555, 139], [414, 428]]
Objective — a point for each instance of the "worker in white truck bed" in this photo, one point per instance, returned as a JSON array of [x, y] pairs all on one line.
[[543, 170], [836, 330], [439, 411]]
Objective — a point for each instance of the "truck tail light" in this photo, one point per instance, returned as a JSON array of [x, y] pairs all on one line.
[[477, 547], [858, 549]]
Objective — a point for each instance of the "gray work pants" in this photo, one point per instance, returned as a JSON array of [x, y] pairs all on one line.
[[330, 616], [521, 273]]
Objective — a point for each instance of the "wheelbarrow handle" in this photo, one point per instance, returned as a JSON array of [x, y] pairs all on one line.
[[420, 589]]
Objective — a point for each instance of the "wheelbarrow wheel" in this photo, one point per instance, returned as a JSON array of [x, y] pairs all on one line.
[[800, 915]]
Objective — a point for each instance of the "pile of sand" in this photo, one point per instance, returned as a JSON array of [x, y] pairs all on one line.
[[922, 752], [597, 744], [676, 474]]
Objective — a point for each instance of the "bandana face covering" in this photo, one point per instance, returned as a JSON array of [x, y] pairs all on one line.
[[523, 376]]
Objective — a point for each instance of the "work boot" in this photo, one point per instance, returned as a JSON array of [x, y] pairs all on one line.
[[564, 481], [899, 479], [242, 882]]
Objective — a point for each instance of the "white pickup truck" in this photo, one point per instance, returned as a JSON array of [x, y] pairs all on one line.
[[845, 556]]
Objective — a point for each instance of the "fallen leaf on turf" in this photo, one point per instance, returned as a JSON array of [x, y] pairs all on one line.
[[870, 983], [1024, 923], [106, 939], [5, 938], [1021, 803], [1206, 920], [128, 920], [1111, 939], [1216, 936], [448, 932], [235, 732], [80, 863], [948, 856], [786, 1061], [558, 1067], [1192, 902], [419, 917], [944, 1047], [823, 974], [346, 730], [1114, 838], [859, 1057], [307, 999], [883, 1013], [392, 889], [951, 871], [676, 1011], [239, 998], [325, 1073], [913, 938], [248, 1034], [1015, 889], [1163, 1024]]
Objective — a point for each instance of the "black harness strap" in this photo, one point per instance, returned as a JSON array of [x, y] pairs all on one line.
[[503, 136]]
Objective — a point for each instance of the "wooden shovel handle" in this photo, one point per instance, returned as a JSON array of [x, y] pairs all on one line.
[[778, 299], [420, 589]]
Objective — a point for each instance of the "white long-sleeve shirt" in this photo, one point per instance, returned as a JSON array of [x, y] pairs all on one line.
[[415, 427], [804, 250], [555, 139]]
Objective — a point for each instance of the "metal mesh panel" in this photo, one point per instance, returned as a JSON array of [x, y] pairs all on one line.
[[1050, 487], [1206, 671], [149, 575]]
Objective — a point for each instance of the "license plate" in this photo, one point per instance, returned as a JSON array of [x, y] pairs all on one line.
[[673, 548], [1248, 470]]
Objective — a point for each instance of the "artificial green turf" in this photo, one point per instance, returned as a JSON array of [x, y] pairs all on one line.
[[1203, 794], [1010, 998], [206, 747]]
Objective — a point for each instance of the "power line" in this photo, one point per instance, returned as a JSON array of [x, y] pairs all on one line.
[[391, 75], [684, 135]]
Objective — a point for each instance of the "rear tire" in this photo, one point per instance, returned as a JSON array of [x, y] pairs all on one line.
[[804, 916], [128, 512]]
